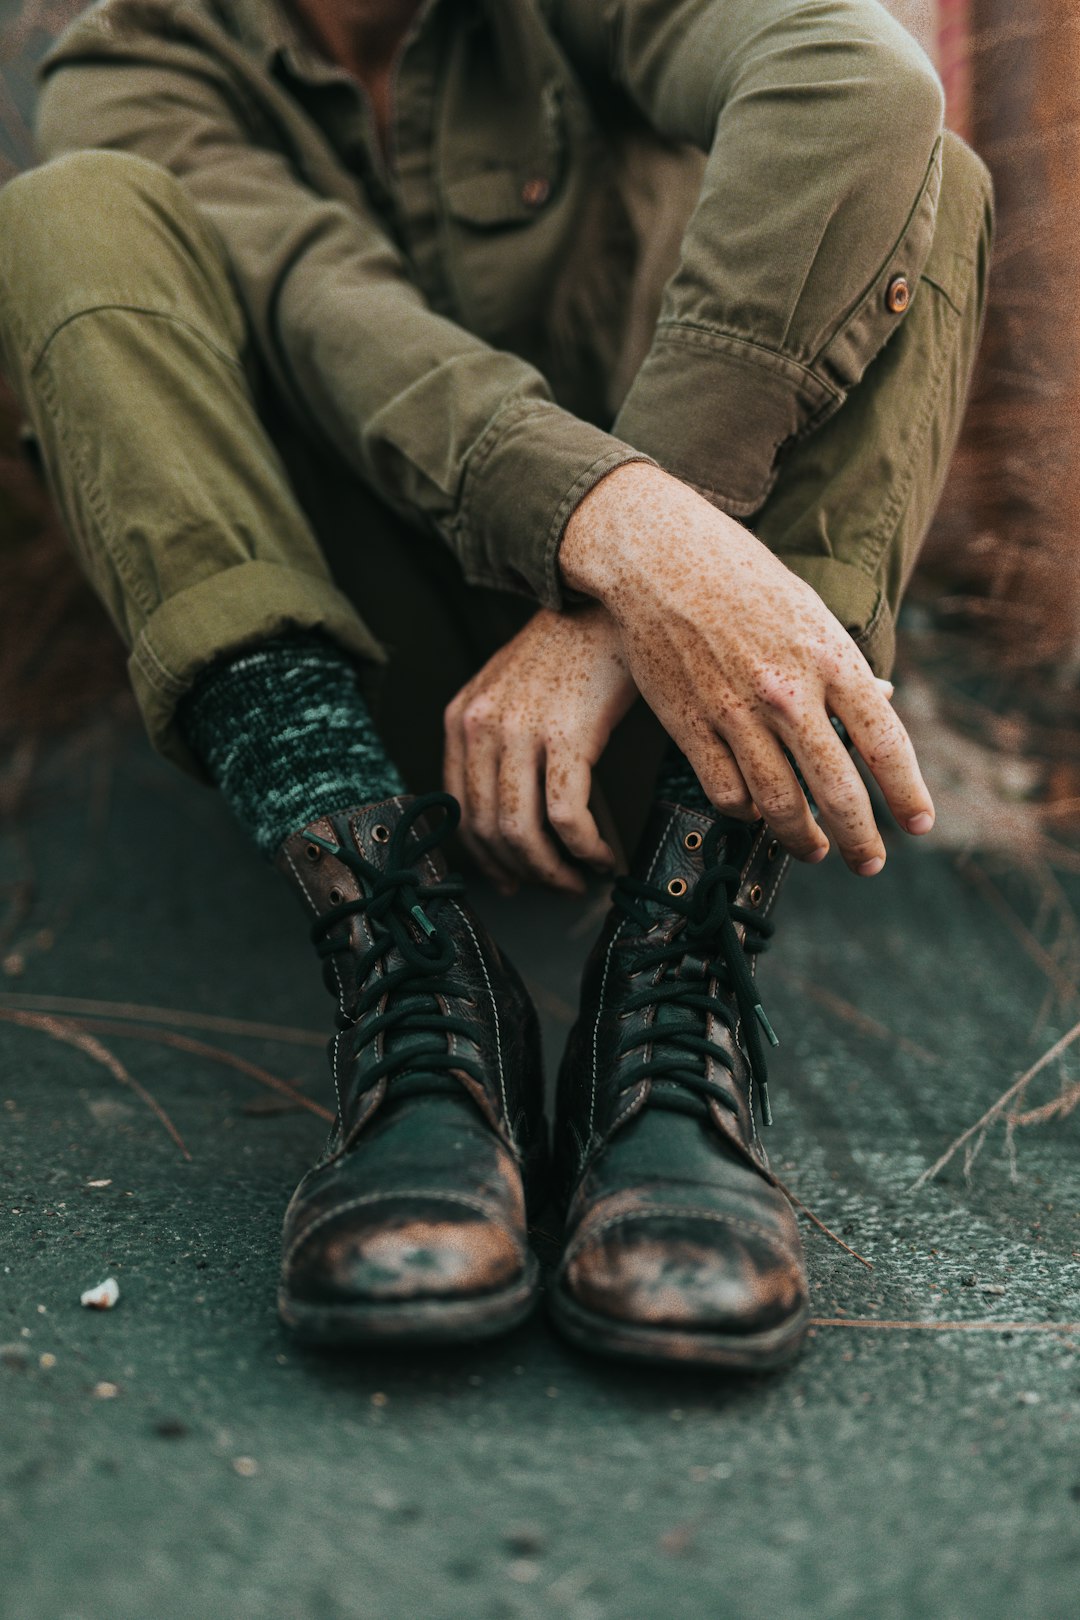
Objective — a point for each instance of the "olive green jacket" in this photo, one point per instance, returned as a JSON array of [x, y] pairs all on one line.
[[451, 315]]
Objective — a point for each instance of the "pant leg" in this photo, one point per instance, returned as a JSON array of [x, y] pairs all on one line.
[[436, 631], [120, 333], [851, 507]]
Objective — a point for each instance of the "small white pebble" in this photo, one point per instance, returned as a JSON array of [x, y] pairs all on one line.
[[106, 1391], [246, 1467], [1028, 1397], [107, 1182], [102, 1297]]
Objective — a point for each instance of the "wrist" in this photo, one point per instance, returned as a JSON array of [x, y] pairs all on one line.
[[601, 528]]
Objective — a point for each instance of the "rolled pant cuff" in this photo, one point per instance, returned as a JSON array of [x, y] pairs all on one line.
[[857, 600], [220, 616]]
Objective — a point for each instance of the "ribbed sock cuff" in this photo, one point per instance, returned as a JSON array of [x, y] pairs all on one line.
[[284, 732]]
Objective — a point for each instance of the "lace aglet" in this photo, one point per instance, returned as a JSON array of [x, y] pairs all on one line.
[[425, 922], [766, 1106], [774, 1039]]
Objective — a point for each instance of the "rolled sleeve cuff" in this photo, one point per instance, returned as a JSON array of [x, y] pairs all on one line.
[[857, 600], [535, 463], [714, 410], [220, 616]]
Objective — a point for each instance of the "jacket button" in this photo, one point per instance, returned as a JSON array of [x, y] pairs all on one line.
[[898, 294], [535, 192]]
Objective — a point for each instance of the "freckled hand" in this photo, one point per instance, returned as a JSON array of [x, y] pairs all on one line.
[[744, 665]]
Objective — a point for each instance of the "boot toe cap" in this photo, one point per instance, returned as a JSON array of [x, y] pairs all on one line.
[[689, 1272], [395, 1249]]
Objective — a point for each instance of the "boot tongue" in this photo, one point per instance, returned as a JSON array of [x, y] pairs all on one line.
[[372, 830], [676, 841]]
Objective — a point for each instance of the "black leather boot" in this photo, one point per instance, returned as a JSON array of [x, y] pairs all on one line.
[[412, 1226], [679, 1245]]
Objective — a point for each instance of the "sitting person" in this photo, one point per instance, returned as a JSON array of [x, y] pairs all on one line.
[[368, 391]]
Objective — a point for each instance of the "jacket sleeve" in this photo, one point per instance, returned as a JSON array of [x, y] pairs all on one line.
[[458, 437], [822, 123]]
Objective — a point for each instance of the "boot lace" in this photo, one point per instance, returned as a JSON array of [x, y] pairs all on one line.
[[704, 948], [402, 915]]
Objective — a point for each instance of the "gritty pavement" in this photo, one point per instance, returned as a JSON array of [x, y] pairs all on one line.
[[175, 1457]]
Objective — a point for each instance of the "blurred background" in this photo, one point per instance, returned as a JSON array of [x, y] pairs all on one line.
[[991, 643]]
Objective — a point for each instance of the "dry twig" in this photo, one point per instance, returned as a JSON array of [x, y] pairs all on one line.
[[76, 1006], [71, 1035], [853, 1015], [216, 1054], [998, 1109]]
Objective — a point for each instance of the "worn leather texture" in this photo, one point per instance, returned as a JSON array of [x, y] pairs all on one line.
[[419, 1200], [676, 1231]]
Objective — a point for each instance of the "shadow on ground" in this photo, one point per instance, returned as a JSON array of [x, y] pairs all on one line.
[[176, 1457]]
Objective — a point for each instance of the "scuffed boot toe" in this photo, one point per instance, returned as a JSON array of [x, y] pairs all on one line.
[[389, 1257], [685, 1283]]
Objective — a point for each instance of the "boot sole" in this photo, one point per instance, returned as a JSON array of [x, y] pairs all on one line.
[[417, 1323], [734, 1352]]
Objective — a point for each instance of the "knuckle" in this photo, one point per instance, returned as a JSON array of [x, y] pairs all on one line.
[[562, 817], [778, 693], [886, 748], [478, 714], [776, 806], [732, 800], [510, 829], [483, 827], [844, 803]]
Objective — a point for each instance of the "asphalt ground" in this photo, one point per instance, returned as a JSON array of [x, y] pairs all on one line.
[[176, 1457]]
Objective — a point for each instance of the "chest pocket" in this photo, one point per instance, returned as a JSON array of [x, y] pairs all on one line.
[[511, 189]]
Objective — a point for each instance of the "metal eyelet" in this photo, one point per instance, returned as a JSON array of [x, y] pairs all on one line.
[[677, 887], [336, 897], [773, 851], [381, 834], [756, 895], [313, 853], [693, 840]]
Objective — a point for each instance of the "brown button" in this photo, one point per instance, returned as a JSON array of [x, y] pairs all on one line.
[[535, 192], [898, 294]]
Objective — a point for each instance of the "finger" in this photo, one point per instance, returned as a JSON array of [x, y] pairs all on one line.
[[523, 841], [454, 750], [843, 803], [567, 784], [777, 794], [718, 774], [480, 796], [878, 734]]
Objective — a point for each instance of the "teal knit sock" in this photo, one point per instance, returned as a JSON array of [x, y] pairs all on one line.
[[286, 736], [677, 783]]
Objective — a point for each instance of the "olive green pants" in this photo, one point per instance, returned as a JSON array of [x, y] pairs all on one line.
[[172, 464]]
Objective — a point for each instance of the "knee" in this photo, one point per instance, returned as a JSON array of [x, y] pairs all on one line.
[[964, 172], [964, 228], [83, 208]]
